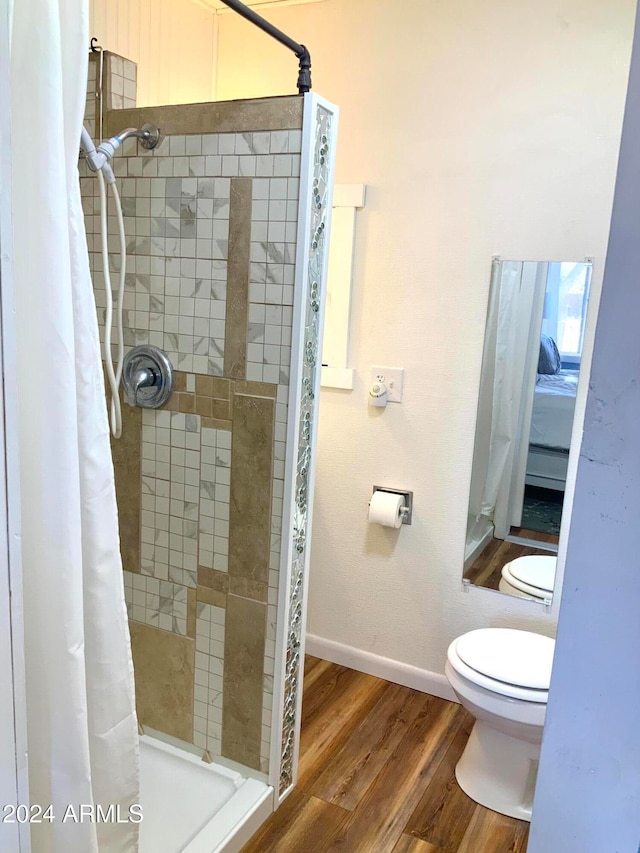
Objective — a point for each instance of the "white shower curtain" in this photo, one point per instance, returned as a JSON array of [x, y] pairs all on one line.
[[513, 339], [82, 729]]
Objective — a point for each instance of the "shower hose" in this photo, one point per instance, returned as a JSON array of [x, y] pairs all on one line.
[[113, 377]]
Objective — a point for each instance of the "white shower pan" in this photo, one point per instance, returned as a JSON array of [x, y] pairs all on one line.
[[189, 806]]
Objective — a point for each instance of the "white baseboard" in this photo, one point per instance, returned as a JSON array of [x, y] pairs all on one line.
[[391, 670]]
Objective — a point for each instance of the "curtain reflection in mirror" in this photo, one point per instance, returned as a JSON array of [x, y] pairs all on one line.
[[525, 412]]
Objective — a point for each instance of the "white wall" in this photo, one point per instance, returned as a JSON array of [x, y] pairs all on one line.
[[173, 42], [479, 129], [591, 744]]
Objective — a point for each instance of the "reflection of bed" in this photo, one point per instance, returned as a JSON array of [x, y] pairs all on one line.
[[551, 424]]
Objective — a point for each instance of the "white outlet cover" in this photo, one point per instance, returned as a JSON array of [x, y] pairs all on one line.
[[393, 378]]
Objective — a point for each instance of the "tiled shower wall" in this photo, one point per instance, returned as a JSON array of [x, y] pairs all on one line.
[[211, 222], [111, 85]]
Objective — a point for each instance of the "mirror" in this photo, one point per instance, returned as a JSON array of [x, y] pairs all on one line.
[[528, 384]]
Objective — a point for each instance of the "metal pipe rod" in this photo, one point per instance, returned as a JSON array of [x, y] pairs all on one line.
[[304, 76]]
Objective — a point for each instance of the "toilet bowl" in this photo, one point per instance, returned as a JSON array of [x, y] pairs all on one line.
[[501, 676], [529, 577]]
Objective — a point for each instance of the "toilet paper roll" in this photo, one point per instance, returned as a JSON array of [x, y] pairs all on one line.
[[385, 507]]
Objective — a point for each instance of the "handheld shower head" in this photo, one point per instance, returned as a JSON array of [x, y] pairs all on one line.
[[98, 160]]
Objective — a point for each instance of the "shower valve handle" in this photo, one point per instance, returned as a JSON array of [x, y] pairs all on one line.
[[143, 378], [147, 377]]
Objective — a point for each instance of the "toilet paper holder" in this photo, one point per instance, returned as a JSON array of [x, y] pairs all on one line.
[[406, 511]]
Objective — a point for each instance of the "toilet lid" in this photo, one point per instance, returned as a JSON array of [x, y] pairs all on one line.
[[535, 570], [504, 654], [511, 691], [519, 586]]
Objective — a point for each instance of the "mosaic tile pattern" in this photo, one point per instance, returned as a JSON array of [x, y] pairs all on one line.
[[92, 104], [272, 271], [171, 482], [111, 85], [120, 82], [209, 677], [176, 205], [177, 229], [158, 603], [186, 475]]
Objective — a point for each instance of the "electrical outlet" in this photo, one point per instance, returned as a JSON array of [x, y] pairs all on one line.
[[393, 378]]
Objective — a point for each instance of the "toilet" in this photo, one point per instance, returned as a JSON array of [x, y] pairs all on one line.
[[529, 577], [501, 676]]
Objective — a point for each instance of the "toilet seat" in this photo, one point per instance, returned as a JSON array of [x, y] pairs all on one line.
[[533, 574], [511, 663]]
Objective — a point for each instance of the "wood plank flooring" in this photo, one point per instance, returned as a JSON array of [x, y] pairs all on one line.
[[487, 567], [376, 775]]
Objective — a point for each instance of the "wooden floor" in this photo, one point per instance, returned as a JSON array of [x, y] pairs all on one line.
[[486, 569], [376, 775]]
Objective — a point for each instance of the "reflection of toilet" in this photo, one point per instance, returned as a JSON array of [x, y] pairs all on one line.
[[501, 676], [529, 577]]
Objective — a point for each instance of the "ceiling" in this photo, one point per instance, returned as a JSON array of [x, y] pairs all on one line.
[[219, 6]]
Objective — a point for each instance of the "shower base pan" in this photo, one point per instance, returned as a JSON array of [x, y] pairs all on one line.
[[189, 806]]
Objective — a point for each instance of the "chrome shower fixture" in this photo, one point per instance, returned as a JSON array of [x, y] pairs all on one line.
[[148, 134], [98, 158], [147, 377], [98, 161]]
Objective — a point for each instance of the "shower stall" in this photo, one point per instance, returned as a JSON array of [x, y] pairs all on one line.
[[226, 223]]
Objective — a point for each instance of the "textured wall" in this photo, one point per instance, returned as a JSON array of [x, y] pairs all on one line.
[[211, 221], [479, 129], [591, 747], [173, 42]]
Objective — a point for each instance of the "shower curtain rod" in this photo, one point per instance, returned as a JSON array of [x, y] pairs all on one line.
[[304, 72]]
